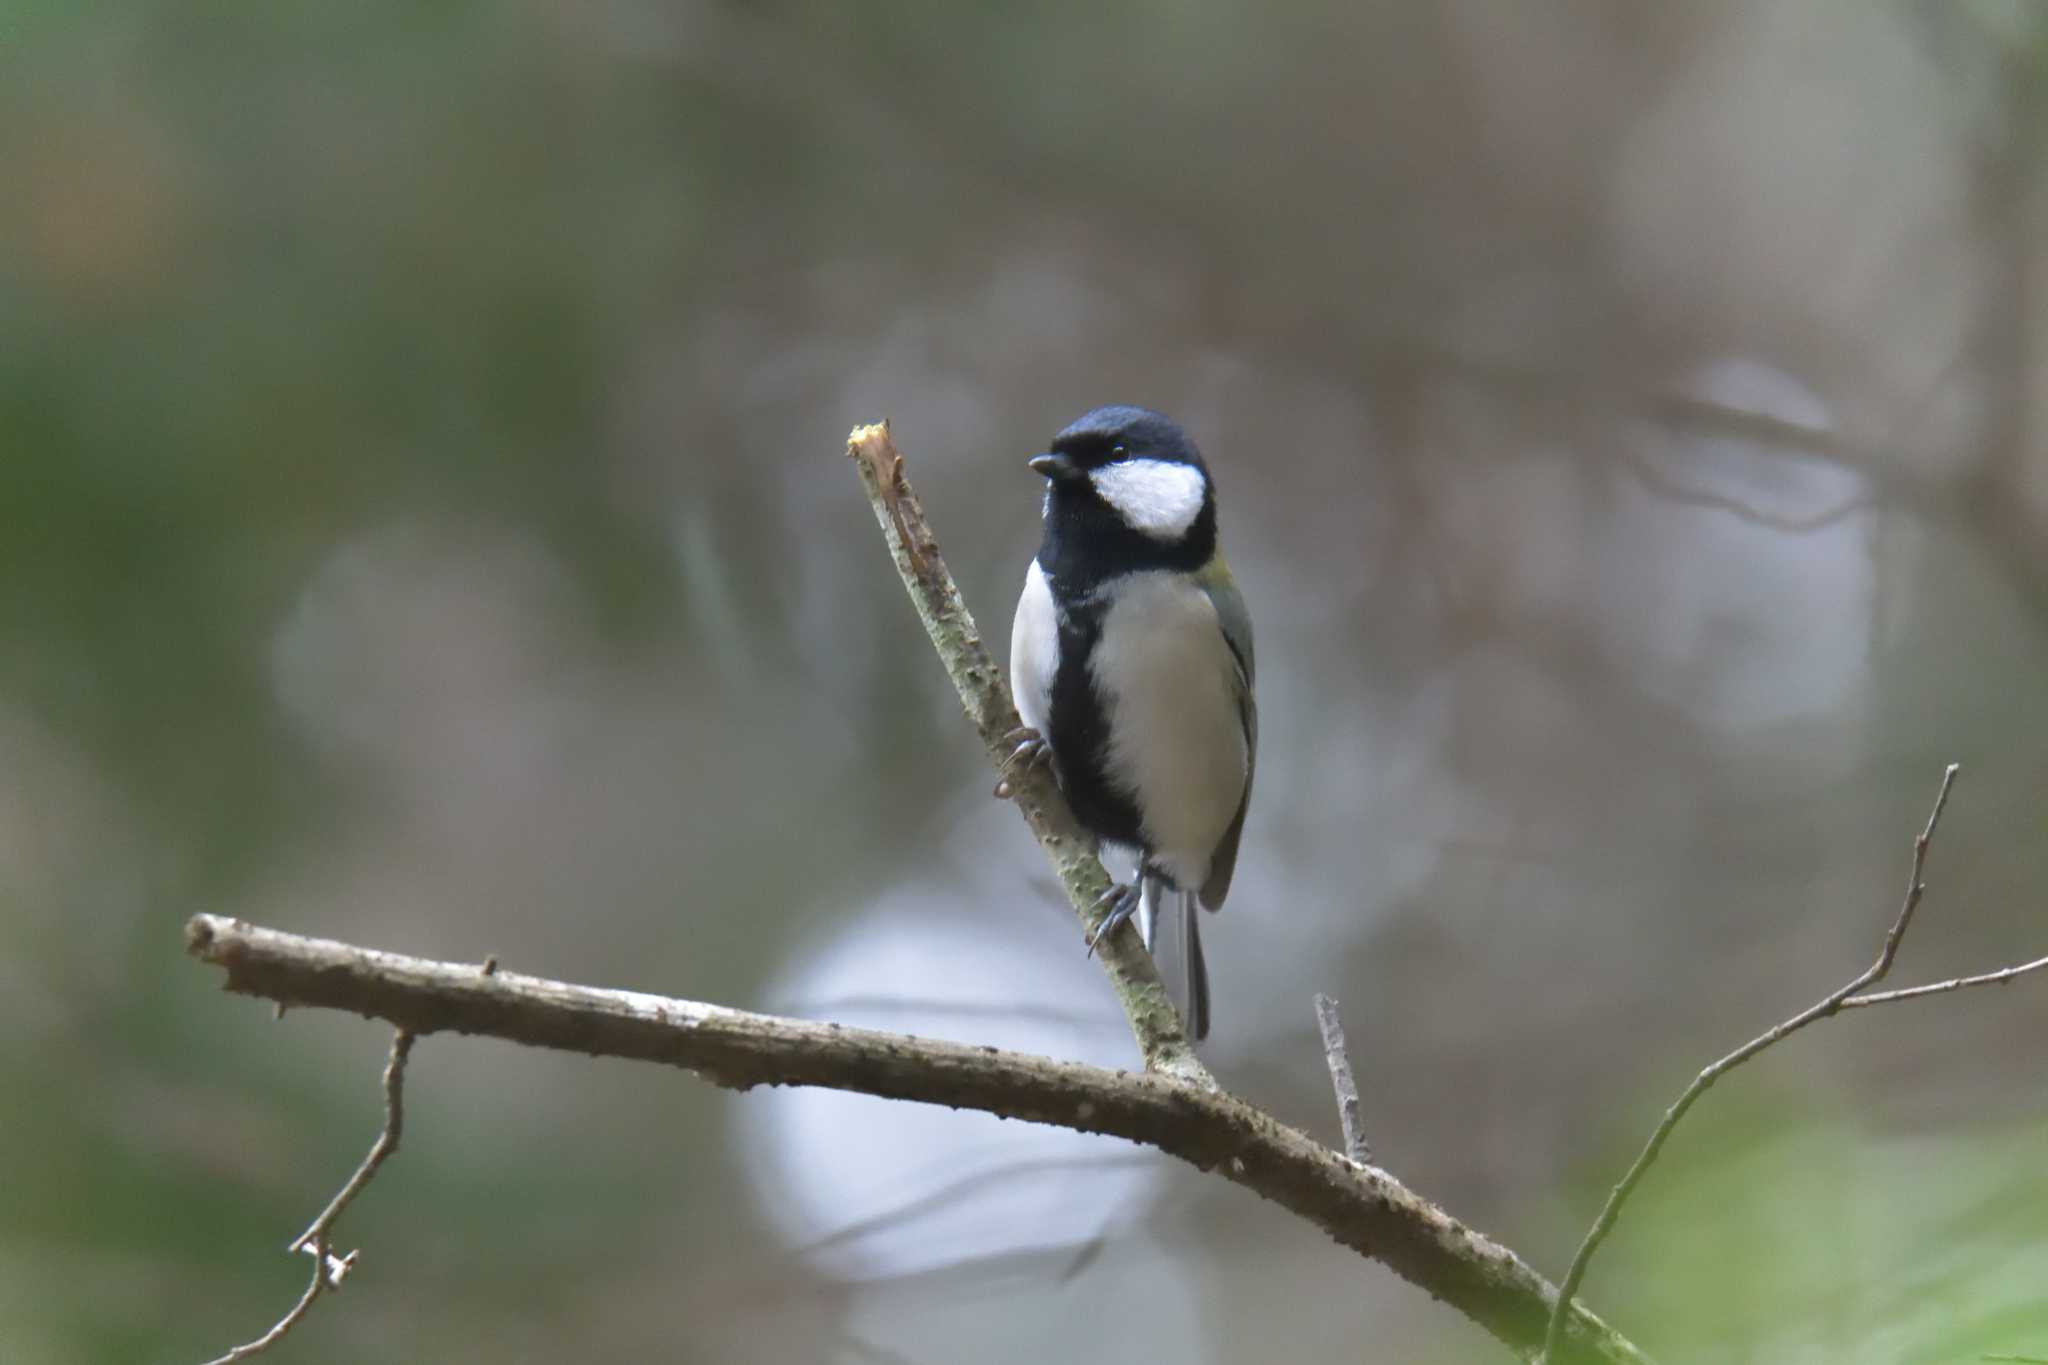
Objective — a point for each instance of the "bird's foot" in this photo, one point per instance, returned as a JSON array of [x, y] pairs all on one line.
[[1123, 903], [1031, 749]]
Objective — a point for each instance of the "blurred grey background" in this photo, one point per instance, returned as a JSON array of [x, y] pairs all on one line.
[[423, 522]]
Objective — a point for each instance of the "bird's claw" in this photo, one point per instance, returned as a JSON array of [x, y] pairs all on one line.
[[1031, 748], [1122, 902]]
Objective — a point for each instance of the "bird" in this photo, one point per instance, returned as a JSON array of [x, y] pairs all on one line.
[[1131, 665]]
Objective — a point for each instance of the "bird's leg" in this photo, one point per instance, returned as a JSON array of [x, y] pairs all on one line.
[[1122, 902], [1032, 748]]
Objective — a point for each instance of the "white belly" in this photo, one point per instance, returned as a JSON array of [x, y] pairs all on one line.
[[1034, 650], [1177, 742]]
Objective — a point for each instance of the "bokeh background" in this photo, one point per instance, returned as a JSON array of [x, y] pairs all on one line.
[[423, 522]]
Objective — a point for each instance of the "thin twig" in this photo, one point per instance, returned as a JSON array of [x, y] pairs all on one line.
[[1349, 1112], [1361, 1207], [384, 1146], [1832, 1004], [330, 1270], [1960, 983], [289, 1320]]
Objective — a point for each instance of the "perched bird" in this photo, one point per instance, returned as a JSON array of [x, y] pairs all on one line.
[[1131, 663]]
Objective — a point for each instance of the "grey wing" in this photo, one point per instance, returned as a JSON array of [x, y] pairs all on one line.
[[1237, 632]]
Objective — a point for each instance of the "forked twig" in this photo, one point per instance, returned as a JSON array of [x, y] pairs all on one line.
[[1834, 1003], [330, 1270]]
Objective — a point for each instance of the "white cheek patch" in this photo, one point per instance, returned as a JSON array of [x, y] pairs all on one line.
[[1158, 497]]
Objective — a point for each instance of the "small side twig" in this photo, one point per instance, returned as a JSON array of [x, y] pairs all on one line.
[[1350, 1113], [1959, 983], [330, 1270], [1833, 1004]]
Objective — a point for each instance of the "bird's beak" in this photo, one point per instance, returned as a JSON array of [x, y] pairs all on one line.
[[1052, 466]]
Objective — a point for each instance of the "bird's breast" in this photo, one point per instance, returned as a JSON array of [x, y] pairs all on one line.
[[1176, 740]]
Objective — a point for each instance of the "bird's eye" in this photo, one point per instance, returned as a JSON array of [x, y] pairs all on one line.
[[1117, 452]]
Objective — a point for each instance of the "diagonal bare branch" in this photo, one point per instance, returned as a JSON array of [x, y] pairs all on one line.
[[1361, 1207]]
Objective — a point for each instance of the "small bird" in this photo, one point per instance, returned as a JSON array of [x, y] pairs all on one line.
[[1131, 664]]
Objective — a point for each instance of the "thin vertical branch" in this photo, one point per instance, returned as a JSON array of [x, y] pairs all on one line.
[[1350, 1113]]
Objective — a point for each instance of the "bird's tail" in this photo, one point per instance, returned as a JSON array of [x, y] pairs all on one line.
[[1151, 886], [1152, 889], [1197, 969]]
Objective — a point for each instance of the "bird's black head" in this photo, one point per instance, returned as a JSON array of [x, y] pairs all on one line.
[[1107, 435], [1127, 490]]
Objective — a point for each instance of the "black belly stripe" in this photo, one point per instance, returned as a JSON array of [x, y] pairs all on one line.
[[1079, 725]]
